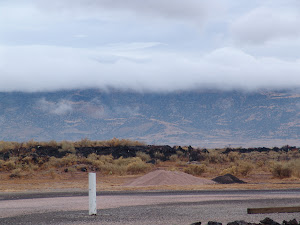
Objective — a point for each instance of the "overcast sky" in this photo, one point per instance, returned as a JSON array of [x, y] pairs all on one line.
[[149, 45]]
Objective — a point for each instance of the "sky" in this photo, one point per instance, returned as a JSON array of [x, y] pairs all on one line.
[[149, 45]]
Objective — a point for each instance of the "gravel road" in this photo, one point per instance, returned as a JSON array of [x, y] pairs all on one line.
[[139, 208]]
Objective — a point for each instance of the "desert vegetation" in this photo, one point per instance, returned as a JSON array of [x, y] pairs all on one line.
[[126, 157]]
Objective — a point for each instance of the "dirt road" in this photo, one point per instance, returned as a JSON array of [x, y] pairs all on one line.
[[144, 207]]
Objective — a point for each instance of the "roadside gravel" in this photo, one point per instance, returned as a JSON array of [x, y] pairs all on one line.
[[149, 208]]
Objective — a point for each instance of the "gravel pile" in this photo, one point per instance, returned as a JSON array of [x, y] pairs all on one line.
[[164, 177]]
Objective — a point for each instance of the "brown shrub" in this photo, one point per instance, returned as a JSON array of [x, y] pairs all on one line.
[[67, 160], [233, 156], [117, 142], [143, 156], [295, 165], [215, 157], [231, 170], [6, 146], [137, 166], [106, 158], [84, 143], [28, 167], [260, 163], [1, 164], [16, 173], [272, 155], [181, 155], [67, 146], [29, 144], [124, 161], [174, 158], [294, 154], [239, 168], [244, 168], [121, 166], [52, 143], [195, 169], [92, 157], [27, 160], [281, 170], [9, 165], [106, 164], [20, 173], [53, 173], [286, 169]]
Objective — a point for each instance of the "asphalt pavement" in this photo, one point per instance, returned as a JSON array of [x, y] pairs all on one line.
[[141, 208]]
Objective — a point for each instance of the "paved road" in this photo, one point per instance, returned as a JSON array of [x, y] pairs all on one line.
[[142, 208]]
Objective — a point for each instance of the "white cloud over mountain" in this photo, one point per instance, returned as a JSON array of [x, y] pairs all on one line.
[[59, 108], [149, 45]]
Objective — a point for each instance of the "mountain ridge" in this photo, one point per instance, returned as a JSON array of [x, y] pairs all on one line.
[[209, 118]]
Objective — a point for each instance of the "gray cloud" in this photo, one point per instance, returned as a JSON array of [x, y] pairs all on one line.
[[170, 9], [263, 24]]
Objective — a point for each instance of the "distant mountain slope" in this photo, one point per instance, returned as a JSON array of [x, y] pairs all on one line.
[[207, 119]]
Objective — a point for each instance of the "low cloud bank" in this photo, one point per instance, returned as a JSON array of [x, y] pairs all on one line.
[[48, 68], [150, 45]]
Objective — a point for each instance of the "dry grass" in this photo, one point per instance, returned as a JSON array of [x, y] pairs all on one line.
[[281, 170], [6, 146], [9, 164], [16, 173], [280, 164], [239, 168], [279, 167], [67, 146], [109, 143], [137, 167], [175, 158], [286, 169], [67, 160], [143, 156], [195, 169], [57, 180]]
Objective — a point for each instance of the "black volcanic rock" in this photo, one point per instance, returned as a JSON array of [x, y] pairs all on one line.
[[228, 179], [213, 223], [239, 222], [291, 222], [268, 221]]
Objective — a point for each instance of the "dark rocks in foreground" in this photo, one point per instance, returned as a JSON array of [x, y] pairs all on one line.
[[266, 221]]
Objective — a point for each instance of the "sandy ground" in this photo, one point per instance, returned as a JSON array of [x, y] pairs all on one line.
[[79, 181]]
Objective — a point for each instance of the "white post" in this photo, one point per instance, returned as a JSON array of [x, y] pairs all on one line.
[[92, 194]]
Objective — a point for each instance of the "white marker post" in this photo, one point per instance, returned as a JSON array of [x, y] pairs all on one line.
[[92, 195]]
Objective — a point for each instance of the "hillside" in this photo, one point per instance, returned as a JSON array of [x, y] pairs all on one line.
[[197, 118]]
